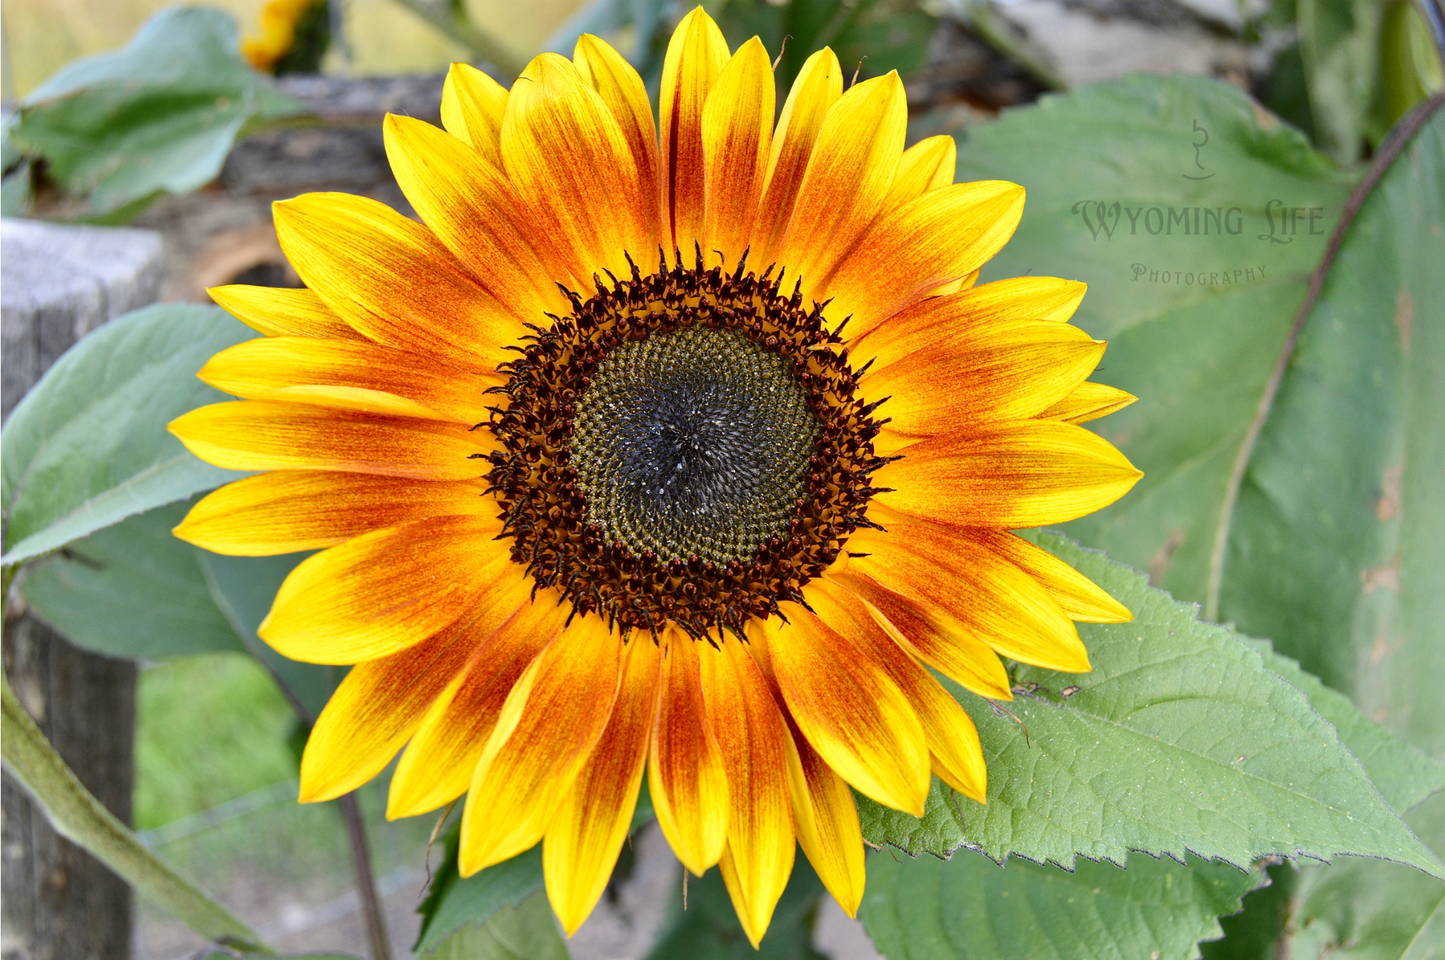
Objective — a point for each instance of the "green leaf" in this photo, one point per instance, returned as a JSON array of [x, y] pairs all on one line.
[[158, 115], [1340, 45], [527, 931], [131, 590], [1362, 910], [242, 589], [1180, 740], [1403, 775], [455, 905], [134, 590], [708, 928], [88, 446], [970, 908], [1335, 549], [1254, 933]]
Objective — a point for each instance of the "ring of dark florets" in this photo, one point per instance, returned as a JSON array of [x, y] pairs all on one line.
[[545, 508]]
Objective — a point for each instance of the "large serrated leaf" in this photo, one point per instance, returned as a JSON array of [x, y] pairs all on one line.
[[970, 908], [1403, 775], [88, 446], [1180, 740], [1364, 910]]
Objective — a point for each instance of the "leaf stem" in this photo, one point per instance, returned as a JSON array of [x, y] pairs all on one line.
[[463, 31], [76, 815], [1399, 139]]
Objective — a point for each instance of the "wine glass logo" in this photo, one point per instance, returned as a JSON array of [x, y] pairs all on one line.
[[1201, 137]]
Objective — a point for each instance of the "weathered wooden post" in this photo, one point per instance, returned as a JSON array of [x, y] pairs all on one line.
[[59, 282]]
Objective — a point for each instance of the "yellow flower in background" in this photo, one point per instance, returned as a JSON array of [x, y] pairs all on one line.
[[279, 19], [677, 454]]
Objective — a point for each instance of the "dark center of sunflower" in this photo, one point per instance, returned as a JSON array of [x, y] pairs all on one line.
[[684, 447], [693, 443]]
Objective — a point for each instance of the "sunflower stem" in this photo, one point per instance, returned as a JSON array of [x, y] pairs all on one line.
[[75, 813]]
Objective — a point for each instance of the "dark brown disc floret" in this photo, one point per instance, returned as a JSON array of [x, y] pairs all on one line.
[[684, 447]]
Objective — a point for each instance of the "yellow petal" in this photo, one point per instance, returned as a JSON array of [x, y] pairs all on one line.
[[1008, 370], [685, 770], [1023, 298], [283, 312], [287, 511], [346, 374], [817, 87], [848, 176], [622, 90], [438, 764], [851, 711], [931, 636], [571, 163], [750, 732], [384, 591], [737, 132], [695, 56], [588, 830], [952, 738], [1011, 475], [472, 108], [970, 590], [267, 435], [473, 209], [927, 165], [549, 725], [942, 235], [1079, 597], [392, 279], [379, 705], [1089, 401], [826, 821]]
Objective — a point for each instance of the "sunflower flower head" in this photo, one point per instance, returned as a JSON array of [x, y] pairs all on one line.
[[676, 450]]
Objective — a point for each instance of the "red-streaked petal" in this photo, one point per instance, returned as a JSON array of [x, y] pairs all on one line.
[[551, 721], [750, 733], [587, 832], [271, 435], [384, 591], [695, 57], [737, 133], [287, 511], [851, 711], [438, 764], [952, 738], [685, 770], [347, 375], [393, 280]]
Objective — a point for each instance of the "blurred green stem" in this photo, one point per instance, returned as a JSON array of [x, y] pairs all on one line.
[[455, 24], [76, 815]]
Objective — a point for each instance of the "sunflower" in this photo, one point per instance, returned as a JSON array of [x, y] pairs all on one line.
[[680, 453]]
